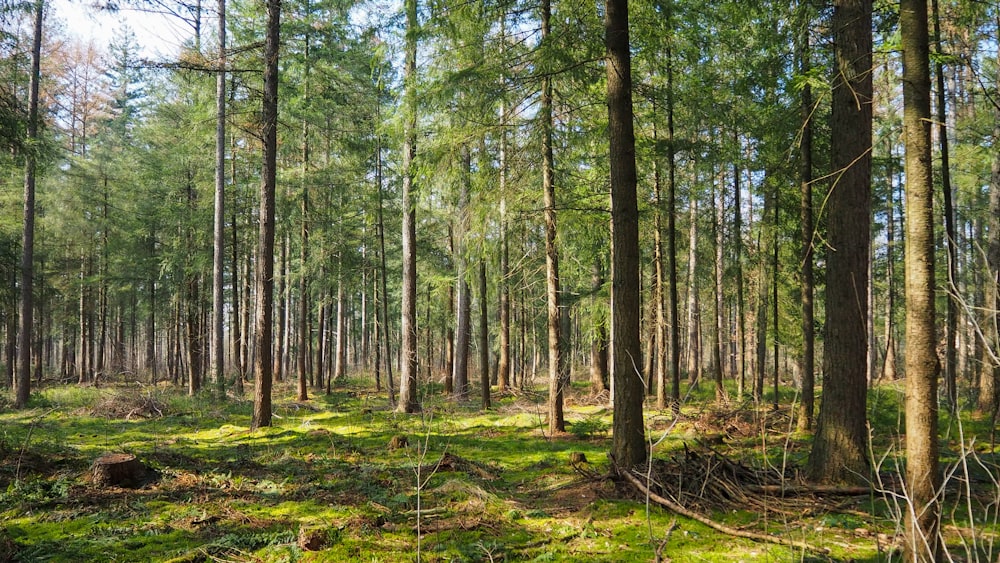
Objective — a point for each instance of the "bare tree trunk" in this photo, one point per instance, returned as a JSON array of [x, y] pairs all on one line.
[[265, 252], [599, 343], [807, 362], [408, 376], [219, 223], [718, 219], [555, 338], [989, 381], [839, 450], [922, 478], [741, 362], [484, 337], [693, 298], [628, 431]]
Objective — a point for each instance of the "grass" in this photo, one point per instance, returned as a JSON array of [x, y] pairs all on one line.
[[325, 471]]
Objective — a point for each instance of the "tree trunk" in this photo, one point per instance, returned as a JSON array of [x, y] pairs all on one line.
[[922, 479], [741, 363], [408, 376], [628, 431], [484, 337], [839, 451], [557, 422], [951, 237], [989, 381], [599, 343], [22, 387], [693, 299], [718, 218], [265, 252], [807, 362], [673, 302], [219, 223]]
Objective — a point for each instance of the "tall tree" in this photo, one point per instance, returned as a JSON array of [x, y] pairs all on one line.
[[951, 237], [808, 359], [557, 422], [408, 352], [25, 328], [265, 249], [839, 450], [219, 233], [628, 432], [922, 477]]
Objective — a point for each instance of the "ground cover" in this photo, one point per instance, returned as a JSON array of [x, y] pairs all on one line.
[[343, 478]]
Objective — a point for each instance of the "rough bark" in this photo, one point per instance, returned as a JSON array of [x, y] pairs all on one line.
[[265, 250], [219, 218], [484, 338], [628, 434], [408, 352], [807, 361], [22, 384], [922, 479], [557, 422], [839, 450]]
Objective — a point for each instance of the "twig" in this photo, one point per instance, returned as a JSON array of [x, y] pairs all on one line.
[[678, 509]]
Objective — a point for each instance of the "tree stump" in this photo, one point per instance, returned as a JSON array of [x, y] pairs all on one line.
[[117, 470]]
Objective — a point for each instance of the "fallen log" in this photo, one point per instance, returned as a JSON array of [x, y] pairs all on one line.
[[678, 509]]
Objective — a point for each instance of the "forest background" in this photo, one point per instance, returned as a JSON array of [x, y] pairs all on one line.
[[417, 159]]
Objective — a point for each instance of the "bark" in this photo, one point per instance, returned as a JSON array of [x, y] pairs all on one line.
[[922, 479], [22, 384], [717, 222], [304, 335], [738, 259], [659, 275], [557, 422], [951, 237], [219, 231], [807, 362], [463, 308], [599, 342], [839, 450], [628, 434], [989, 381], [693, 298], [265, 251], [408, 372], [484, 338], [673, 315]]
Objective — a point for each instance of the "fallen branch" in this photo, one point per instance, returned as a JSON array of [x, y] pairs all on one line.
[[793, 490], [676, 508]]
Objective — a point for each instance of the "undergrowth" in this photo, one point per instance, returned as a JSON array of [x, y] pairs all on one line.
[[323, 484]]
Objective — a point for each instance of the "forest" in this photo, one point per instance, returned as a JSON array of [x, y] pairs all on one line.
[[502, 280]]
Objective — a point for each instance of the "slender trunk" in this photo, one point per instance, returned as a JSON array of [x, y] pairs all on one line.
[[693, 299], [922, 477], [22, 384], [599, 342], [673, 306], [484, 337], [408, 376], [219, 232], [340, 353], [951, 237], [807, 362], [556, 361], [265, 252], [717, 222], [741, 363], [659, 292]]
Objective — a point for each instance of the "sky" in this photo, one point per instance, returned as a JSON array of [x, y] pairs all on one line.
[[158, 36]]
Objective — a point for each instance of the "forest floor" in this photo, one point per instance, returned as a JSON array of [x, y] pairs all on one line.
[[341, 477]]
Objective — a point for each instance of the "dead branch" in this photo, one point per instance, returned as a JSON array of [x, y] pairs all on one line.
[[678, 509]]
